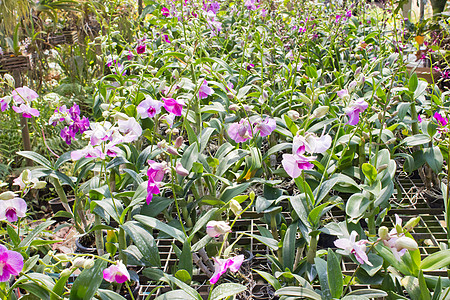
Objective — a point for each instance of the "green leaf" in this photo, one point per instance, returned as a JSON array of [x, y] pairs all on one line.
[[234, 190], [436, 260], [202, 243], [109, 295], [418, 139], [269, 242], [144, 241], [413, 83], [226, 290], [189, 290], [176, 295], [377, 264], [370, 172], [88, 282], [186, 259], [369, 293], [335, 278], [183, 275], [202, 222], [321, 267], [270, 279], [356, 206], [434, 158], [289, 246], [299, 291], [60, 285], [37, 158], [157, 224], [424, 292], [36, 231], [13, 235], [30, 263]]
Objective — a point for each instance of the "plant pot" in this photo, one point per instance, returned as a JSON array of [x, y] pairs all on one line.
[[424, 72], [82, 247], [10, 62], [56, 205]]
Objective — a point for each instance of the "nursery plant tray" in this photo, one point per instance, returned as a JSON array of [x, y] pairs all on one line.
[[11, 62]]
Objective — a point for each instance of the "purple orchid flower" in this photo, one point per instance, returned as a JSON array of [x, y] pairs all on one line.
[[116, 273], [222, 265], [293, 164], [12, 209], [149, 108], [240, 132], [11, 263], [354, 110], [173, 106], [204, 91]]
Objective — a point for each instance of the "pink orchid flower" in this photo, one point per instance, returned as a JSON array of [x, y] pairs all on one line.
[[222, 265], [11, 263], [240, 132], [116, 273], [293, 164], [265, 127], [216, 228], [24, 94], [174, 106], [204, 90], [149, 108], [354, 109], [350, 246], [12, 209], [26, 110]]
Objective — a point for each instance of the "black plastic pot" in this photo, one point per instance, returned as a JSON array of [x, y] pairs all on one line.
[[83, 249], [56, 206]]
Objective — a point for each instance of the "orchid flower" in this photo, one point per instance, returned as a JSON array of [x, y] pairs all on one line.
[[354, 109], [240, 132], [222, 265], [216, 228], [173, 106], [11, 263], [350, 246], [149, 108], [116, 273], [12, 209], [204, 91]]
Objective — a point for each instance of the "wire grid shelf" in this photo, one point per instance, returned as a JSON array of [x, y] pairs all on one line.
[[246, 242]]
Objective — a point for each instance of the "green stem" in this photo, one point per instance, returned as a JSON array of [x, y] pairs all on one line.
[[98, 236], [312, 248], [122, 246]]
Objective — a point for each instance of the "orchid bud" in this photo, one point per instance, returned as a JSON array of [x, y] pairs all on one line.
[[181, 170], [179, 142], [412, 223], [352, 86], [89, 263], [172, 151], [406, 243], [235, 207], [10, 80], [120, 116], [293, 115], [230, 96], [39, 185], [320, 112], [65, 273], [175, 131], [383, 233], [233, 107], [61, 256], [252, 195], [79, 262], [357, 71], [7, 195], [216, 228], [161, 144], [176, 74]]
